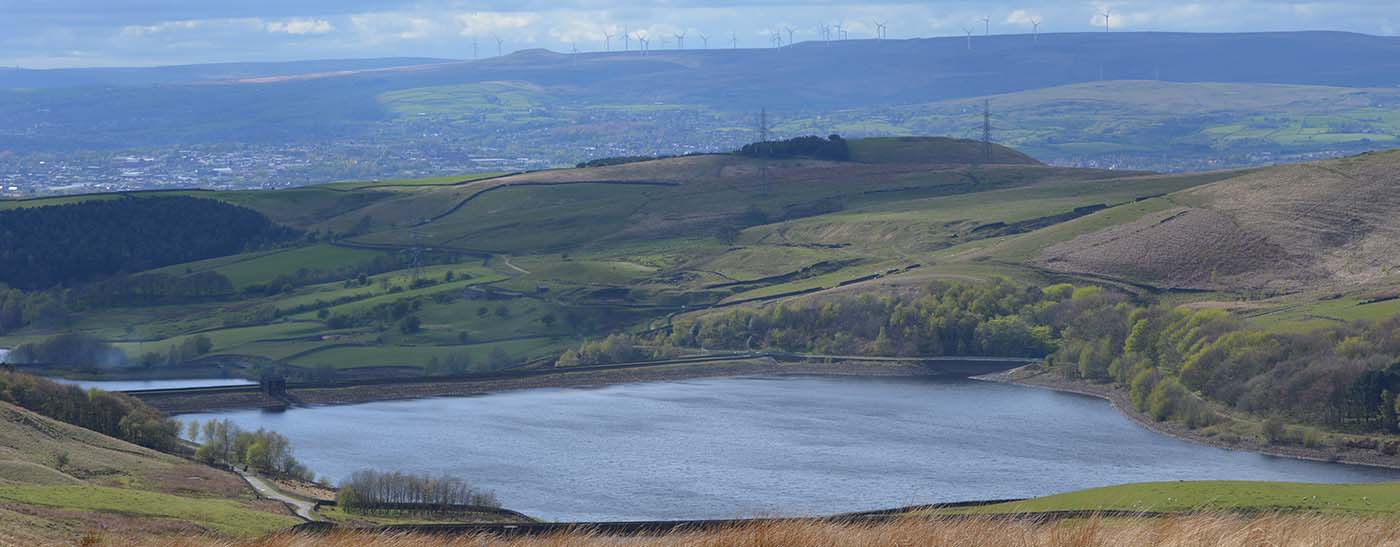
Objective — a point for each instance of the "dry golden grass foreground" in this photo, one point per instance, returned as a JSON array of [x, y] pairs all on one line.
[[1192, 530]]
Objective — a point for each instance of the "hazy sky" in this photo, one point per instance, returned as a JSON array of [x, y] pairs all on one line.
[[64, 33]]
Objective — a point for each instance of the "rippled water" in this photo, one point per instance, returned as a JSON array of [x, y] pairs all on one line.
[[736, 447]]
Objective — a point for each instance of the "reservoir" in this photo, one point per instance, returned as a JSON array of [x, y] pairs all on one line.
[[744, 447]]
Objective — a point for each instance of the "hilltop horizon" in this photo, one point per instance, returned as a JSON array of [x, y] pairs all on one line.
[[389, 61]]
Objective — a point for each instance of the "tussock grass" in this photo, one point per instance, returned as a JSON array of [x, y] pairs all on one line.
[[1192, 530]]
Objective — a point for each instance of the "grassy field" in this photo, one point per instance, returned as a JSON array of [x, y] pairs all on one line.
[[59, 481], [428, 182], [541, 260], [1176, 123], [222, 516], [255, 268], [1309, 314], [1190, 496]]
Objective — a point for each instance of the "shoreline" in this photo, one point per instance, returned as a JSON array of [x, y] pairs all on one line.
[[1119, 400]]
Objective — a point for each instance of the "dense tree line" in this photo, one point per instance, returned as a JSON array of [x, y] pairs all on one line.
[[71, 348], [222, 441], [43, 247], [992, 319], [112, 414], [833, 148], [366, 489], [616, 348], [20, 309], [1343, 376], [1174, 362]]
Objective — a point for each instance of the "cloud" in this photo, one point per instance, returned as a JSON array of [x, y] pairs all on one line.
[[488, 23], [378, 28], [132, 31], [300, 26], [1021, 17], [145, 32]]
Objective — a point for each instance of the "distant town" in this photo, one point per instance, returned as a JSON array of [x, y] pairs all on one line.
[[227, 167]]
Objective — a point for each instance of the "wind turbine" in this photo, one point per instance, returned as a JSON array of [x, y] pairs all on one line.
[[706, 39], [969, 32], [734, 40], [1107, 14], [1035, 29], [839, 33], [476, 49], [790, 32], [988, 22], [826, 31], [607, 37], [626, 39], [880, 27], [680, 40], [573, 47], [500, 45], [775, 38]]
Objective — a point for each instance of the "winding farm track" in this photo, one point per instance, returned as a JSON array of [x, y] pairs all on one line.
[[303, 509], [512, 266]]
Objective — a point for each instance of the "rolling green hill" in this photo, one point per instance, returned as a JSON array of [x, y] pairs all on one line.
[[516, 268], [513, 269], [59, 482]]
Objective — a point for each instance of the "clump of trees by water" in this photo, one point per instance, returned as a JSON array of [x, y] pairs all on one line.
[[113, 414], [72, 348], [1170, 358], [992, 319], [370, 490], [224, 442], [616, 348], [1176, 363]]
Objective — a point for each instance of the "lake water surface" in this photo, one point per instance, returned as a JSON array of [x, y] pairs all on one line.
[[738, 447]]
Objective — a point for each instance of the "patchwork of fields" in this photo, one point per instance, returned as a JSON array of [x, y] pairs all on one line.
[[513, 269]]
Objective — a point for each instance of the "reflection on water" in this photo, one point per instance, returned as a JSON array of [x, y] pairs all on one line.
[[735, 447], [134, 385]]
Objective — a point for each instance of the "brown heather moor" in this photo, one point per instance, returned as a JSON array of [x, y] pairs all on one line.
[[1188, 530]]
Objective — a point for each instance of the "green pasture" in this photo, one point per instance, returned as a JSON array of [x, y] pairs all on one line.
[[223, 516], [1190, 496]]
